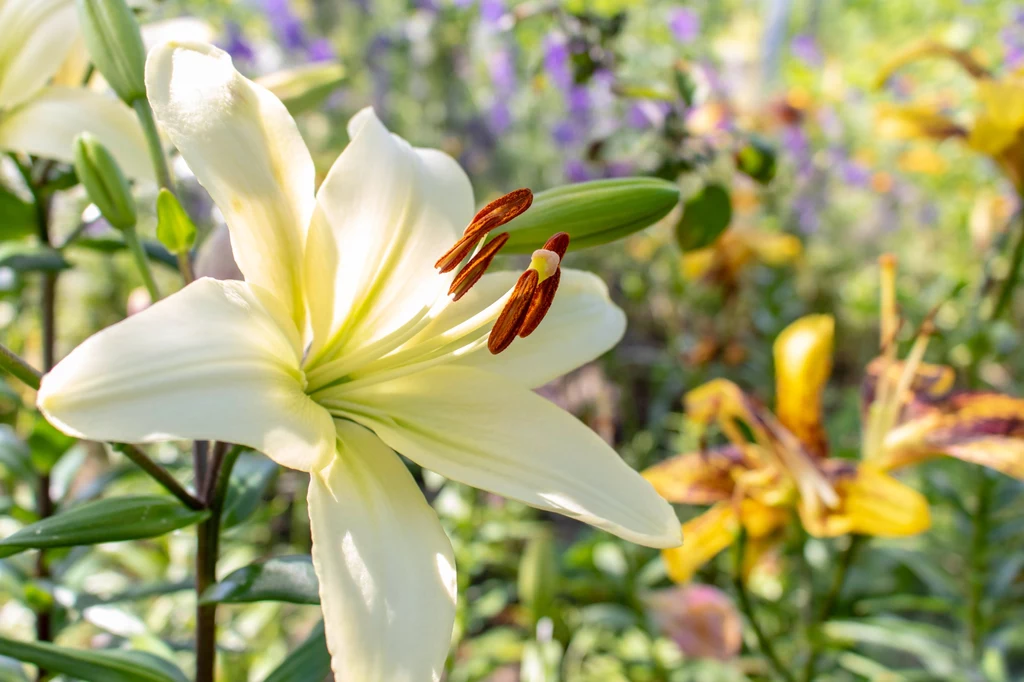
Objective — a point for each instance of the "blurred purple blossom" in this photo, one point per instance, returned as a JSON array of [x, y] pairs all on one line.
[[578, 101], [684, 24], [577, 171], [236, 45], [618, 169], [566, 134], [321, 50], [491, 11], [502, 66], [499, 118], [556, 61], [286, 24], [805, 48], [856, 174], [644, 114]]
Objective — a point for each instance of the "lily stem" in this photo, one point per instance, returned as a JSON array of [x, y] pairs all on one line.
[[747, 607], [156, 148], [222, 461], [829, 604], [978, 565], [159, 474], [18, 368], [131, 238]]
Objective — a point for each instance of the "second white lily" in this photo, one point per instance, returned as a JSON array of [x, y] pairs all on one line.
[[342, 347]]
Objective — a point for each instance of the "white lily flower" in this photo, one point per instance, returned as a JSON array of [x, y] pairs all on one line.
[[39, 113], [341, 347]]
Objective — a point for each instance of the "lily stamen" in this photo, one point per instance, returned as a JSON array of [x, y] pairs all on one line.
[[476, 267], [532, 296], [490, 217]]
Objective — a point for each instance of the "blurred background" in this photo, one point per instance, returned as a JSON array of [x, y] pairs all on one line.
[[770, 115]]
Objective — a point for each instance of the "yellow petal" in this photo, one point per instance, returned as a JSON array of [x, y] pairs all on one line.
[[803, 362], [923, 160], [991, 134], [698, 477], [761, 520], [911, 121], [871, 503], [703, 538], [771, 248]]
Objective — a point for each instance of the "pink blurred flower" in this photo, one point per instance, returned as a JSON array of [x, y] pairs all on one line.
[[701, 619]]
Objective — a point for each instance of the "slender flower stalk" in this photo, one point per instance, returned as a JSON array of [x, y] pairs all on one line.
[[131, 238], [18, 368]]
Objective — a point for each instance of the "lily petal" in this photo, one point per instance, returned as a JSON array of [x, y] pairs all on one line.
[[246, 151], [582, 311], [384, 214], [698, 477], [803, 363], [48, 124], [486, 431], [211, 362], [703, 538], [386, 567], [871, 503], [37, 36]]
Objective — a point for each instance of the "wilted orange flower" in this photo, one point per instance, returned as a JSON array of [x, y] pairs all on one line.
[[700, 619], [723, 260]]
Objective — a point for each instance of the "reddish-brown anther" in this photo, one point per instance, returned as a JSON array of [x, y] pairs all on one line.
[[510, 320], [541, 303], [475, 269], [559, 243], [493, 215]]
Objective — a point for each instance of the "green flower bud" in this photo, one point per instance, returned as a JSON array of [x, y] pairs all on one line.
[[104, 182], [305, 87], [114, 42], [705, 217], [174, 228], [538, 576], [592, 213]]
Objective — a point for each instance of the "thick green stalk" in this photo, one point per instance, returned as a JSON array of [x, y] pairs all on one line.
[[131, 238], [747, 607]]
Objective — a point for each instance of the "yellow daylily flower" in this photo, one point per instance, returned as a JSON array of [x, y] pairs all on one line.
[[342, 346], [735, 249], [778, 464], [997, 129], [40, 112]]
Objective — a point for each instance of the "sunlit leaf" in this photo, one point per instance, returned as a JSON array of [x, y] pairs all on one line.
[[288, 579], [108, 520], [250, 477]]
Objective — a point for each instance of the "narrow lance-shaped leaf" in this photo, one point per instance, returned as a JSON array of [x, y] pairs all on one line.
[[108, 520], [288, 578], [94, 666]]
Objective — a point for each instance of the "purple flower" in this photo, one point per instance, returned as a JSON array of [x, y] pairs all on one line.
[[576, 171], [618, 169], [684, 24], [491, 11], [578, 101], [856, 174], [237, 46], [566, 133], [463, 3], [499, 118], [321, 50], [502, 66], [644, 114], [286, 24], [805, 48], [556, 61]]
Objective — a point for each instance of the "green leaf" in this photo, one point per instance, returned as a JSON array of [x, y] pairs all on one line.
[[705, 216], [31, 258], [94, 666], [154, 250], [109, 520], [174, 228], [250, 478], [310, 661], [287, 578], [901, 635], [757, 159], [17, 217]]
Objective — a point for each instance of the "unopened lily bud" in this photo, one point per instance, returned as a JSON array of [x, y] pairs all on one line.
[[305, 87], [592, 213], [104, 182], [115, 45], [174, 228], [538, 576]]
